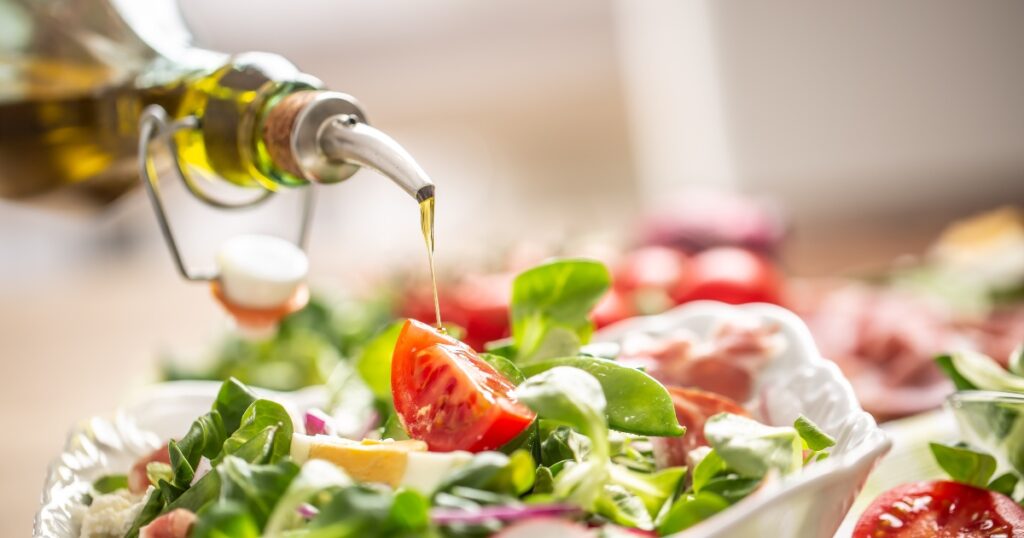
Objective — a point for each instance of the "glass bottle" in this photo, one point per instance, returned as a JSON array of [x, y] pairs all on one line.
[[79, 77]]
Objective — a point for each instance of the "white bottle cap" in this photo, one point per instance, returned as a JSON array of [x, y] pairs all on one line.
[[260, 271]]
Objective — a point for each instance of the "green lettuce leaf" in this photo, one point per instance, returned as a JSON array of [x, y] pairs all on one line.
[[550, 307]]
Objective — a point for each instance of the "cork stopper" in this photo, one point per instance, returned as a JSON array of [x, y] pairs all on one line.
[[277, 130]]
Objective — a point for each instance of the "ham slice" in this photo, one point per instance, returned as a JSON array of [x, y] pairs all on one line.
[[138, 481], [173, 524], [693, 408], [726, 363]]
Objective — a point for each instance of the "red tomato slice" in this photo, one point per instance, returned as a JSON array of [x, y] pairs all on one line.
[[731, 275], [693, 408], [449, 397], [941, 509]]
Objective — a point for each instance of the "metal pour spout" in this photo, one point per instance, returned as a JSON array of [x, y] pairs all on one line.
[[329, 139], [347, 139]]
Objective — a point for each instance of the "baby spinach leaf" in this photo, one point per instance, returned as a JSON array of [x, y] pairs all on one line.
[[689, 510], [258, 417], [110, 483], [815, 439], [751, 448], [233, 399], [637, 403], [374, 362], [572, 397], [963, 464], [223, 520], [256, 487], [550, 307], [205, 437]]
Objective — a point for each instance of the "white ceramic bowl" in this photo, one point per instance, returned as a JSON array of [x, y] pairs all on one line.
[[798, 381]]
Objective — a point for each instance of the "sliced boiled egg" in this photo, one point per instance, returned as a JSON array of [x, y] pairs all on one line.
[[395, 463]]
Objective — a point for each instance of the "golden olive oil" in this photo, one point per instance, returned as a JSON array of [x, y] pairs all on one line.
[[427, 225], [64, 124]]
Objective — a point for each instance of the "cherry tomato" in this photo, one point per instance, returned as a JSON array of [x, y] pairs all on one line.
[[478, 304], [449, 397], [731, 275], [940, 509], [693, 408], [614, 306], [651, 267]]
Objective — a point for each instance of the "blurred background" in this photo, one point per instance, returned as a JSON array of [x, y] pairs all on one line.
[[865, 127]]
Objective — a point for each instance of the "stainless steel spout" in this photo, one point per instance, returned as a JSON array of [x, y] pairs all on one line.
[[331, 138]]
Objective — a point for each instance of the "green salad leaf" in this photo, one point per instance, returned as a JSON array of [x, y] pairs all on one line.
[[261, 415], [636, 402], [261, 433], [374, 362], [689, 510], [256, 487], [368, 511], [751, 448], [315, 478], [963, 464], [494, 472], [228, 519], [572, 397], [550, 307], [505, 367], [984, 373], [813, 437], [110, 483]]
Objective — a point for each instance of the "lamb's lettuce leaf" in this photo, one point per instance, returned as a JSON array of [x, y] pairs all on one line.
[[550, 307], [963, 464], [636, 402], [980, 372], [689, 510], [753, 449], [494, 472]]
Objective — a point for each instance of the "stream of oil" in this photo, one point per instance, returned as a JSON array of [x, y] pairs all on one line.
[[427, 225]]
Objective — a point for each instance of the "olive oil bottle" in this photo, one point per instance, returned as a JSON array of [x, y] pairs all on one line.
[[88, 87], [77, 76]]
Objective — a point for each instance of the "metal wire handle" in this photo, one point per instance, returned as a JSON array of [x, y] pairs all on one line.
[[154, 125]]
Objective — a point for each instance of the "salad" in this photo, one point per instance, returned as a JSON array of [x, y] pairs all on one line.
[[977, 500], [539, 432]]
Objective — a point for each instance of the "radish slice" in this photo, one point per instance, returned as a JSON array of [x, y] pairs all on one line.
[[318, 423], [546, 527]]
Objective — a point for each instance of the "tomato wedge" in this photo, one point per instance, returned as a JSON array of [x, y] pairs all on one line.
[[693, 408], [449, 397], [941, 509]]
